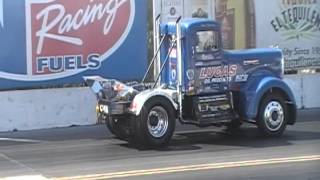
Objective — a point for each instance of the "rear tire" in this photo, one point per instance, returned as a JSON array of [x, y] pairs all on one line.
[[156, 123], [273, 115]]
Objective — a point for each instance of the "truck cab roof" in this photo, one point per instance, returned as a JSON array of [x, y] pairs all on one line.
[[188, 25]]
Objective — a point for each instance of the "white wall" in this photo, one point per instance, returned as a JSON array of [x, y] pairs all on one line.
[[306, 89], [295, 83], [46, 108], [310, 93]]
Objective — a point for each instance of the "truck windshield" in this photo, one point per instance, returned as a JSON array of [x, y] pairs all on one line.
[[207, 41]]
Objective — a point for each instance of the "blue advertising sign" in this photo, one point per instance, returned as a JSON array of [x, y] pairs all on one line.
[[56, 42]]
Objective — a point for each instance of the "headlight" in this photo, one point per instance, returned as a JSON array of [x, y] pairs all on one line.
[[118, 87], [122, 91]]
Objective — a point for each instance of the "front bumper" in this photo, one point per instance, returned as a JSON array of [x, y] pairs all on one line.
[[113, 108]]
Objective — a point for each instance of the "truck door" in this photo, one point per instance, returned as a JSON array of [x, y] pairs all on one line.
[[210, 69], [209, 101]]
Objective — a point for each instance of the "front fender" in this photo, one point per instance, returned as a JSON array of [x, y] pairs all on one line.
[[252, 93], [141, 98]]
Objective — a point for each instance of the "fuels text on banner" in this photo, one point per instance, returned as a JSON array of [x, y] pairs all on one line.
[[56, 42]]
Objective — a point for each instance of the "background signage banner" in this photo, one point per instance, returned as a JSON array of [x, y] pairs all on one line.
[[293, 25], [170, 10], [56, 42]]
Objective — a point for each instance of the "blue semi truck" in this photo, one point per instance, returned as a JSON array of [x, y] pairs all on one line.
[[198, 83]]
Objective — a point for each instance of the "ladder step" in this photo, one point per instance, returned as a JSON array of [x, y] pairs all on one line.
[[206, 109]]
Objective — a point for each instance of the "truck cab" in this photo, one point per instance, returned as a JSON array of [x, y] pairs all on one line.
[[209, 71], [199, 83]]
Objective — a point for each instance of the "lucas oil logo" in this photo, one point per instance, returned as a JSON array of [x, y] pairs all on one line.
[[64, 38], [218, 72]]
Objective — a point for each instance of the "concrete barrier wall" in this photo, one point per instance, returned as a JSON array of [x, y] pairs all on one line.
[[46, 108], [295, 83], [310, 93], [306, 89]]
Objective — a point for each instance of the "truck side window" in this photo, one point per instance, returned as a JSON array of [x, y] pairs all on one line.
[[207, 41]]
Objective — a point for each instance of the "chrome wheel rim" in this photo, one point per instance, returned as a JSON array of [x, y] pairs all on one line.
[[274, 116], [158, 121]]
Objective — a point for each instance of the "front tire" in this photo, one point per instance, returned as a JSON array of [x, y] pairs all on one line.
[[156, 123], [117, 126], [273, 115]]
